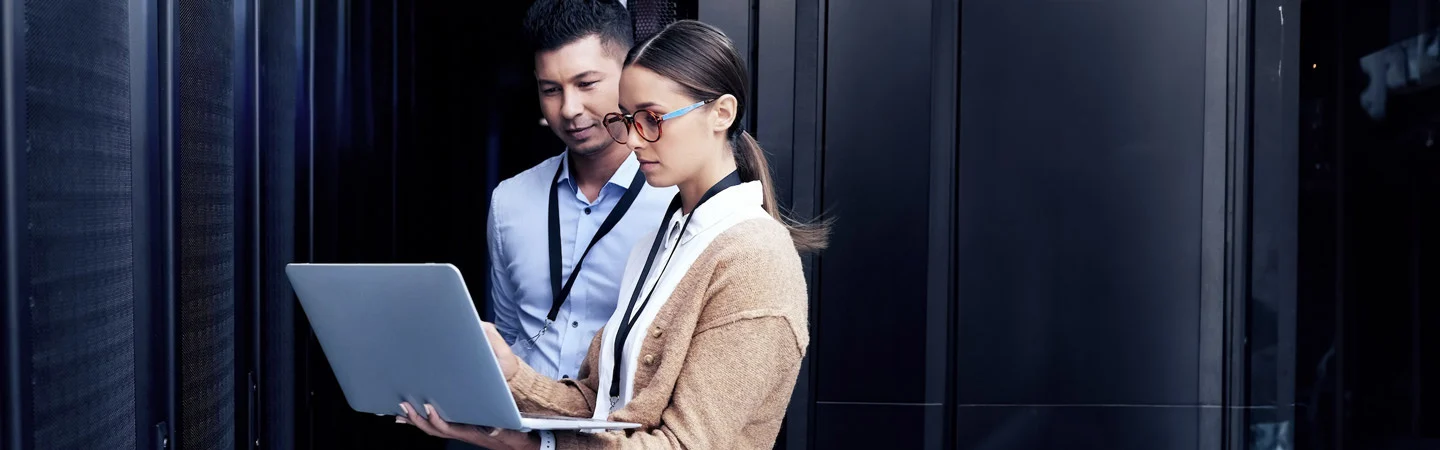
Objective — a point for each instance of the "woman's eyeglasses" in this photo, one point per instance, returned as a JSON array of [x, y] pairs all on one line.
[[646, 123]]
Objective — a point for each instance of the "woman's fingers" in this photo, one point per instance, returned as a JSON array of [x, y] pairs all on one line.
[[468, 433], [433, 425], [420, 422], [508, 362], [437, 423], [496, 340]]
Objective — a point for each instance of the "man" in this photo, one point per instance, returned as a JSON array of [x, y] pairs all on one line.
[[543, 221]]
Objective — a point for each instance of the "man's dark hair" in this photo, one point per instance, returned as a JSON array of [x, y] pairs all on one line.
[[551, 24]]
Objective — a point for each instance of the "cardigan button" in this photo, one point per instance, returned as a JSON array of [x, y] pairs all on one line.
[[656, 334], [649, 360]]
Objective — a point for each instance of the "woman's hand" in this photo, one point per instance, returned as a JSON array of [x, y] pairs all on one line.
[[493, 438], [508, 362]]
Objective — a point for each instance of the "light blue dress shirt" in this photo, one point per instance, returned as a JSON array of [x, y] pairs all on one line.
[[520, 289]]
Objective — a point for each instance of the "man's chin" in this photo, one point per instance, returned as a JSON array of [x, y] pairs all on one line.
[[588, 148]]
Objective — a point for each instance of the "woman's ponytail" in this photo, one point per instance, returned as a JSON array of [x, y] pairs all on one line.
[[753, 166]]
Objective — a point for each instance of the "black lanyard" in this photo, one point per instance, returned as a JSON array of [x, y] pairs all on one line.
[[627, 322], [559, 291]]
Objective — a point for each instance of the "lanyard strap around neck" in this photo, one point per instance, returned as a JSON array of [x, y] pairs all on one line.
[[627, 321], [562, 291]]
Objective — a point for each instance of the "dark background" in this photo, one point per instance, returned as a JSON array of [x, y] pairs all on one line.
[[1119, 225], [1369, 203]]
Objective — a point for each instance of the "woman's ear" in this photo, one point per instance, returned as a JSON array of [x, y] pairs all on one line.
[[725, 108]]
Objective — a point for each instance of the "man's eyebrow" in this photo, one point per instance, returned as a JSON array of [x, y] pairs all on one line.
[[576, 78], [585, 74]]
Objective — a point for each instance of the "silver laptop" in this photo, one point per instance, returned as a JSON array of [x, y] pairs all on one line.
[[409, 333]]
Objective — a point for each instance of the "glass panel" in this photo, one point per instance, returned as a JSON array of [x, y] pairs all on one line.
[[1369, 113]]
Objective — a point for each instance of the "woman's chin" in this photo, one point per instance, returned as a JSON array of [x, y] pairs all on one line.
[[658, 179]]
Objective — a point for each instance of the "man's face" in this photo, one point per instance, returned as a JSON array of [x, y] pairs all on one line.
[[579, 83]]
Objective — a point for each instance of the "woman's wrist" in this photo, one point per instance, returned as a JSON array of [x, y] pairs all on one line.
[[532, 441]]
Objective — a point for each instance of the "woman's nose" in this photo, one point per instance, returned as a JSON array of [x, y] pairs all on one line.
[[633, 139]]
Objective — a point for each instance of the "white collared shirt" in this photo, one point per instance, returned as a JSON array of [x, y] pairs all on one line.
[[520, 286], [726, 209]]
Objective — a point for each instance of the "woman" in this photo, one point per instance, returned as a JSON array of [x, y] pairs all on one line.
[[705, 345]]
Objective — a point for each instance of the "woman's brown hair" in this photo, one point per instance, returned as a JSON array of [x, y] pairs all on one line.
[[703, 61]]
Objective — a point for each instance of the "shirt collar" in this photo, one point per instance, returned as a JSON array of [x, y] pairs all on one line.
[[718, 208], [622, 177]]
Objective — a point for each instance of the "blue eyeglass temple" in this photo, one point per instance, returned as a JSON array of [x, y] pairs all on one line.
[[682, 111]]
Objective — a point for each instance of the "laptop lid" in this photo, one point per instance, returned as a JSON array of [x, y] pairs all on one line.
[[405, 332]]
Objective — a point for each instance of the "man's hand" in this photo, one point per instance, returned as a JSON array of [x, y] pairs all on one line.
[[492, 438], [508, 362]]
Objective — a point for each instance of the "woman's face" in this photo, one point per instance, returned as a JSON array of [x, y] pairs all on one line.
[[687, 143]]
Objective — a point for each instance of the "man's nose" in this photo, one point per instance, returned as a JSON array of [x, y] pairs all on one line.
[[572, 105]]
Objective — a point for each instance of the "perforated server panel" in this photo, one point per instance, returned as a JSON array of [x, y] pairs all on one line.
[[206, 117], [650, 16], [80, 245], [279, 104]]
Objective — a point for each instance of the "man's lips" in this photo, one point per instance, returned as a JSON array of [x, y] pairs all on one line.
[[580, 133]]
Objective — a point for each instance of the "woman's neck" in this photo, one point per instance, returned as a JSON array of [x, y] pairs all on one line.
[[693, 189]]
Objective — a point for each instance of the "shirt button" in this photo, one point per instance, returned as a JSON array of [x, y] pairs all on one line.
[[649, 360], [574, 324], [564, 377], [587, 210]]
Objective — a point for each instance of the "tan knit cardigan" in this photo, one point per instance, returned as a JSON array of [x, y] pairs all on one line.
[[719, 362]]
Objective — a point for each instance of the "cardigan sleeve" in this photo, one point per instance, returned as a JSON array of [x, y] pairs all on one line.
[[537, 394], [746, 350], [728, 373]]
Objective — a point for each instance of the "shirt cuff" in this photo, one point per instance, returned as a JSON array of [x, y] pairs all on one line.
[[547, 440]]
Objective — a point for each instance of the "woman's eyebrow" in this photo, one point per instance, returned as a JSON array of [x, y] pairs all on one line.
[[637, 107]]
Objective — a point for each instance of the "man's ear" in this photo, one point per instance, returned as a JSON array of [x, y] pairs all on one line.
[[726, 108]]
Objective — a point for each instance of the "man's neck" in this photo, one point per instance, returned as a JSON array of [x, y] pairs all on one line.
[[591, 172]]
